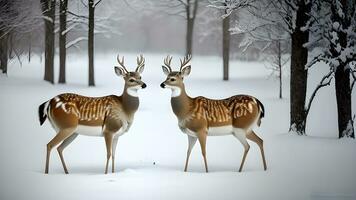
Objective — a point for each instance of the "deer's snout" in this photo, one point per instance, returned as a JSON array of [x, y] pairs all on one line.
[[163, 85], [144, 85]]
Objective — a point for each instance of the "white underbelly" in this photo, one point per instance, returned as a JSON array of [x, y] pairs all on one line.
[[89, 130], [190, 132], [219, 131], [213, 131], [96, 130]]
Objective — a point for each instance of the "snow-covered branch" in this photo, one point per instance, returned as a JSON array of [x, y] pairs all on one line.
[[75, 41], [230, 5], [335, 33]]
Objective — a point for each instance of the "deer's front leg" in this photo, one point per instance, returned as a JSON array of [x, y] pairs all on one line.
[[112, 126], [202, 135], [108, 141], [191, 143], [114, 144]]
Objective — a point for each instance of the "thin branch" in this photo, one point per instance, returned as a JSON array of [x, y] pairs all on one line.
[[325, 81], [182, 2], [79, 16], [353, 74], [84, 4], [130, 6], [97, 3]]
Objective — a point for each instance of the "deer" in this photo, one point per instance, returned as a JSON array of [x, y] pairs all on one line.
[[200, 117], [109, 116]]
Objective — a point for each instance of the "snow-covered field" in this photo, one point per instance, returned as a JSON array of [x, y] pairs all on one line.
[[315, 167]]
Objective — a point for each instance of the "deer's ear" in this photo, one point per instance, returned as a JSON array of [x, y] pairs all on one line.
[[185, 71], [119, 71], [165, 69]]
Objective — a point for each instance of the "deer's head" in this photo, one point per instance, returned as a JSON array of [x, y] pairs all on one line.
[[132, 79], [174, 79]]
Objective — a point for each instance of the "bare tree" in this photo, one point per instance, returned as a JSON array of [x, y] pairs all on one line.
[[48, 10], [7, 17], [91, 8], [63, 7], [18, 21], [226, 46], [275, 55], [228, 7], [85, 21], [188, 9]]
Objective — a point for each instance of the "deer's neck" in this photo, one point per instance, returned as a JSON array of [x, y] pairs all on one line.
[[130, 103], [181, 103]]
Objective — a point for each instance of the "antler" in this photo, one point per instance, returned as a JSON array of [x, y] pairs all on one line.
[[185, 61], [121, 63], [167, 62], [140, 61]]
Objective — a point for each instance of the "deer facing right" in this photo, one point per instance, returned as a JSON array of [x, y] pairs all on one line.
[[109, 116]]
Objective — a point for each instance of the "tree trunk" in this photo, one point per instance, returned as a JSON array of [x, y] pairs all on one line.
[[91, 42], [343, 99], [3, 52], [298, 79], [189, 37], [280, 83], [342, 74], [48, 9], [62, 40], [226, 47], [29, 48], [279, 50], [190, 14]]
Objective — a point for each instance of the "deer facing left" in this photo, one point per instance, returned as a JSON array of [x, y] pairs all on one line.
[[109, 116]]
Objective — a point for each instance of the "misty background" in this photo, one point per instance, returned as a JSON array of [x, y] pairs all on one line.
[[130, 26], [298, 57]]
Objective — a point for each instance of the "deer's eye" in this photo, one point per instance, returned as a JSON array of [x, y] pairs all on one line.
[[172, 79], [131, 80]]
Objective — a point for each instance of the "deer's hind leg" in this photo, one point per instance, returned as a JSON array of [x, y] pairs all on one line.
[[65, 122], [240, 134], [202, 140], [253, 137], [62, 135], [61, 147]]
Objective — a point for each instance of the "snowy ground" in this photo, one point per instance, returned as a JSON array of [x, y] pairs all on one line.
[[315, 167]]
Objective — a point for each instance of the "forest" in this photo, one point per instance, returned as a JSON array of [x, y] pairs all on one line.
[[298, 57]]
